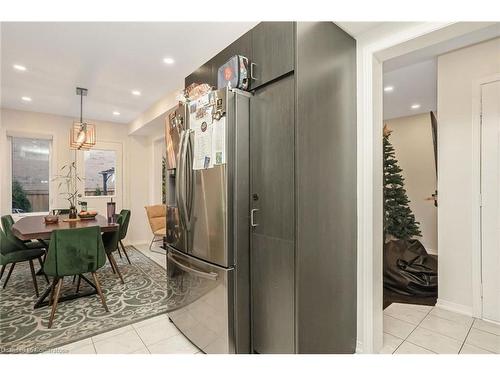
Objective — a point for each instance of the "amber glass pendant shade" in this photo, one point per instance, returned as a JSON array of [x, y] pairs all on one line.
[[82, 136]]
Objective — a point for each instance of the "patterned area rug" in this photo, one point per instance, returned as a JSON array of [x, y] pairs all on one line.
[[144, 295]]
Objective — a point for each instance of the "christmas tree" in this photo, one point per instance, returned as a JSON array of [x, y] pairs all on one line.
[[399, 221]]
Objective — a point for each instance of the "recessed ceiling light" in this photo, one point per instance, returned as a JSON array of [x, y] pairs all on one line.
[[116, 113], [168, 60], [136, 92], [26, 98], [21, 68], [415, 106], [389, 88]]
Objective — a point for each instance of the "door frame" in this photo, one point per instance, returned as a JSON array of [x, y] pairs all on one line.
[[477, 301], [373, 48]]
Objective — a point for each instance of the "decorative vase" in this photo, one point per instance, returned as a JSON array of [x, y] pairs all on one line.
[[111, 210], [72, 212]]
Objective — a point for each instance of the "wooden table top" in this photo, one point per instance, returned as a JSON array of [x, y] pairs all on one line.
[[34, 227]]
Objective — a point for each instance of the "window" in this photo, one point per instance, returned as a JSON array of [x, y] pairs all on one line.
[[100, 172], [30, 175]]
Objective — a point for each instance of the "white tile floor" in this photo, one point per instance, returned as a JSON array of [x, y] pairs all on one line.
[[408, 329], [152, 336], [417, 329]]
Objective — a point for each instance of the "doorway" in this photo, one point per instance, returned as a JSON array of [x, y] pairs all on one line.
[[408, 41], [413, 271], [410, 184]]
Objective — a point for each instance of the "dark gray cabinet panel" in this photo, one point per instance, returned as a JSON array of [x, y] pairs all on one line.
[[204, 74], [326, 189], [207, 73], [272, 50], [242, 46], [272, 189], [272, 290]]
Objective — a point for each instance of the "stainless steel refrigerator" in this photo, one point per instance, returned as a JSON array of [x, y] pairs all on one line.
[[208, 225]]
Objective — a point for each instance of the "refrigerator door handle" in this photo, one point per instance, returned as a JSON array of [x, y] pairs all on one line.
[[184, 267], [183, 189], [178, 180], [252, 217]]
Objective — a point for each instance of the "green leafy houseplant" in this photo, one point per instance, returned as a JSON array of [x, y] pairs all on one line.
[[68, 178], [19, 197]]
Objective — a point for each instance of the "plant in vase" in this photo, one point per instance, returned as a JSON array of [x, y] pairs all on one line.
[[69, 179]]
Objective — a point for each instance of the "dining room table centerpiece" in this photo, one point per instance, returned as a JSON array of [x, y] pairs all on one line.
[[68, 180]]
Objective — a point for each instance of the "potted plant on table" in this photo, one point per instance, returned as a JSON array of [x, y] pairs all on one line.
[[69, 179]]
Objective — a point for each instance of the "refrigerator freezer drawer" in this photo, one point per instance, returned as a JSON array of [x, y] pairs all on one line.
[[206, 316]]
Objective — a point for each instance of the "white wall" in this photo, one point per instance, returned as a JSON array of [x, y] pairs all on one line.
[[137, 158], [412, 140], [457, 72], [139, 162]]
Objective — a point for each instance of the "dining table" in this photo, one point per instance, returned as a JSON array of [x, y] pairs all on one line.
[[35, 228]]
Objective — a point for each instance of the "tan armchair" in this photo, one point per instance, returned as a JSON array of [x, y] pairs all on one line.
[[158, 222]]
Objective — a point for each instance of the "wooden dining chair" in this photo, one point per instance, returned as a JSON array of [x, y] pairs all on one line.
[[110, 241], [74, 252], [11, 253], [7, 223], [123, 232]]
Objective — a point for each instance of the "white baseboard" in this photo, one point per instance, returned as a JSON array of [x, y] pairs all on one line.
[[455, 307], [432, 251], [359, 347]]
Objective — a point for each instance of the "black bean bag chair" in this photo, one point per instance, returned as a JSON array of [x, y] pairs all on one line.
[[409, 269]]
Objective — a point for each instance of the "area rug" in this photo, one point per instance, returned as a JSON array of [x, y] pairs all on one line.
[[145, 294]]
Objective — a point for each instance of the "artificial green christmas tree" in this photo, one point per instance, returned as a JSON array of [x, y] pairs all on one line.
[[399, 221]]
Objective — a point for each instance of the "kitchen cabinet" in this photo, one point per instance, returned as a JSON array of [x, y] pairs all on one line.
[[269, 47], [207, 73], [272, 202], [272, 51], [303, 185]]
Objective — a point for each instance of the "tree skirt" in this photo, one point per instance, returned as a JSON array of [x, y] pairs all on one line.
[[145, 294]]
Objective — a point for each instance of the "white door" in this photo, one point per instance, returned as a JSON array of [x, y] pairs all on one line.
[[490, 191]]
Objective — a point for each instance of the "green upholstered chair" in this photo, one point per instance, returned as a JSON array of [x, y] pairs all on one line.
[[74, 252], [11, 253], [7, 223], [110, 240], [123, 231]]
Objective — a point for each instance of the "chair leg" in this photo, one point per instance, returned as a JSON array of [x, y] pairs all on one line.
[[52, 290], [8, 275], [119, 252], [113, 262], [56, 299], [33, 276], [41, 267], [124, 251], [151, 244], [99, 290], [78, 283], [2, 271]]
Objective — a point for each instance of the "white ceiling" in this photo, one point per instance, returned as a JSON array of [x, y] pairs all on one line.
[[413, 84], [357, 28], [414, 75], [110, 59]]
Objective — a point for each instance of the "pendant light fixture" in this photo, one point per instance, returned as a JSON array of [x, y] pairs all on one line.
[[82, 135]]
